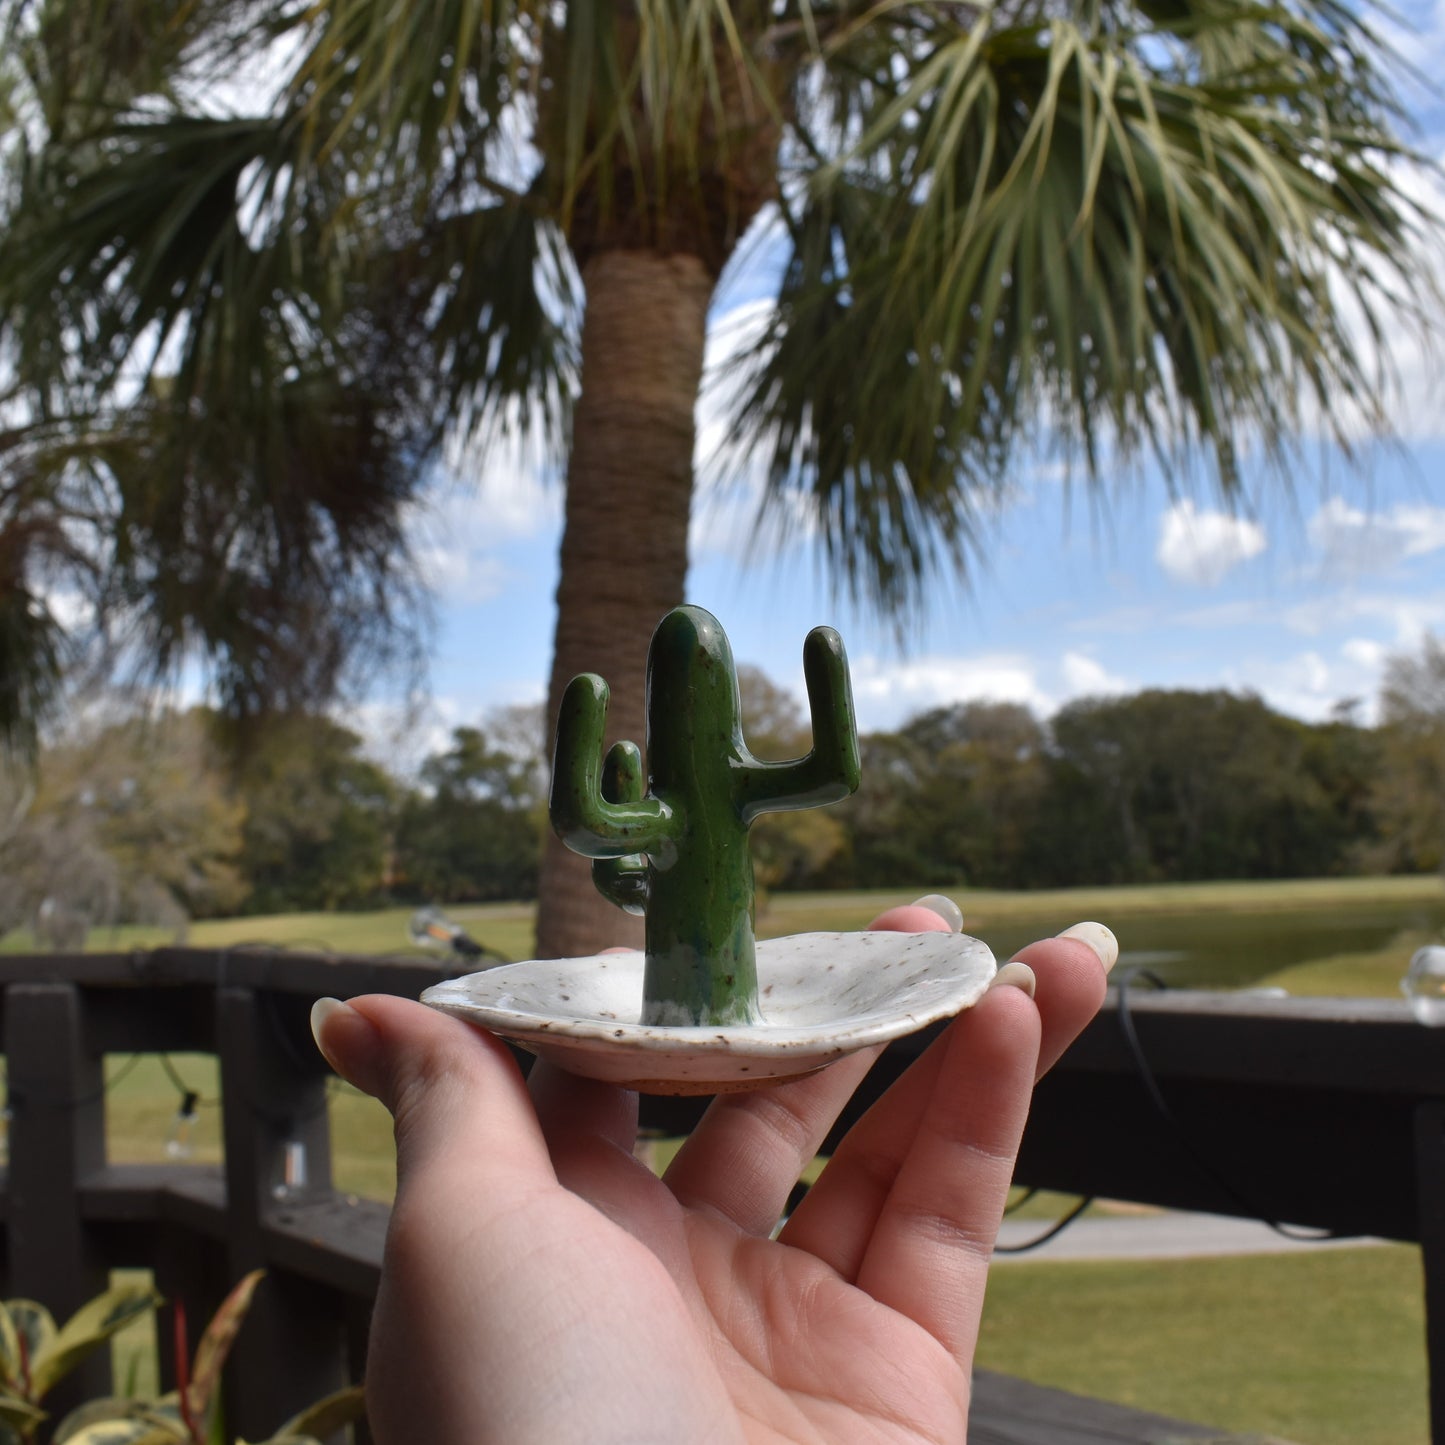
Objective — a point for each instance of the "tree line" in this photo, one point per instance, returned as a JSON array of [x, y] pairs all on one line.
[[152, 819]]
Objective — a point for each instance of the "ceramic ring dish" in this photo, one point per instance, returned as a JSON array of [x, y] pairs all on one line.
[[704, 1008]]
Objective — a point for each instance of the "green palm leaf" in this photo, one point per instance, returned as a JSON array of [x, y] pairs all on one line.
[[1033, 223]]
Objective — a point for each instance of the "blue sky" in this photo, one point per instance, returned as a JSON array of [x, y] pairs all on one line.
[[1299, 597]]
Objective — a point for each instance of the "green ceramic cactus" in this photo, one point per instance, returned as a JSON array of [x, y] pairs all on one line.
[[674, 846]]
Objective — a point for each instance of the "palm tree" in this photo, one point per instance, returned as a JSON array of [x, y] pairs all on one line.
[[253, 320]]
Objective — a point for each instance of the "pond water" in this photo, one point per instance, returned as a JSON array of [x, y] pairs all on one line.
[[1222, 948]]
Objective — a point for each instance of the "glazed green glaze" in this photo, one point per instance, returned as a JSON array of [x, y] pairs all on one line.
[[674, 845]]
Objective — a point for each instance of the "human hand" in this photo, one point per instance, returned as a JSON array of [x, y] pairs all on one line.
[[541, 1285]]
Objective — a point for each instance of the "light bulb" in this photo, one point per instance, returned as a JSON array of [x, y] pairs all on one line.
[[180, 1143], [293, 1170], [1424, 984]]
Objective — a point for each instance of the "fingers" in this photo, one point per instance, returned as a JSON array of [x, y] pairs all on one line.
[[572, 1109], [929, 1250], [836, 1219], [455, 1092], [746, 1153], [1072, 971], [932, 914]]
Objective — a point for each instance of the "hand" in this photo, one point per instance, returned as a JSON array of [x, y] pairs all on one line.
[[541, 1285]]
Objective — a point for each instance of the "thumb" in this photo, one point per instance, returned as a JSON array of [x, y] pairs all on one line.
[[454, 1092]]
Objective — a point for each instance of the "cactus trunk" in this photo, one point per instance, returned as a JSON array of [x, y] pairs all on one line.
[[678, 850], [700, 963]]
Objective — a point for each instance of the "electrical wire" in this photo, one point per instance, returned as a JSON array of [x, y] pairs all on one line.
[[183, 1088], [1052, 1232], [26, 1098], [1182, 1135]]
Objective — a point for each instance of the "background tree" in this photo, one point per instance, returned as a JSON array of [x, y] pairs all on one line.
[[791, 849], [239, 333], [319, 817], [1183, 785], [982, 798], [127, 820], [475, 830], [1409, 798]]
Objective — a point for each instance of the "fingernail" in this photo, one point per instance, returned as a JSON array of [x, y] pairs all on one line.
[[1015, 975], [321, 1011], [1099, 938], [944, 907]]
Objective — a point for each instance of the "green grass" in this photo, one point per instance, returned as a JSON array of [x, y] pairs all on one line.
[[800, 912], [1351, 975], [1321, 1348], [505, 927]]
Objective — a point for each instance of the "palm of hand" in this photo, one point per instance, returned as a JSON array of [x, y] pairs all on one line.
[[541, 1285], [793, 1350]]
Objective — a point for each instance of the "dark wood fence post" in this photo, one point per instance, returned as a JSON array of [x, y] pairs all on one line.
[[1430, 1183], [274, 1119], [57, 1137]]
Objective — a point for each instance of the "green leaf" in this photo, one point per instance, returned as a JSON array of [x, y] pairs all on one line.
[[9, 1352], [33, 1328], [117, 1412], [126, 1432], [327, 1415], [89, 1328], [20, 1415], [216, 1343]]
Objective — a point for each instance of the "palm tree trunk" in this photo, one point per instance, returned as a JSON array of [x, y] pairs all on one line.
[[624, 543]]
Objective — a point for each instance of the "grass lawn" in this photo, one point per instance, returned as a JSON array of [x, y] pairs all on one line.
[[1320, 1348], [1350, 975], [796, 912]]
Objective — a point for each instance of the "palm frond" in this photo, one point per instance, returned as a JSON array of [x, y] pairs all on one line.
[[1137, 231]]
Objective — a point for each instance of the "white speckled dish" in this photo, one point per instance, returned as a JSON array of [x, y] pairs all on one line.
[[823, 995]]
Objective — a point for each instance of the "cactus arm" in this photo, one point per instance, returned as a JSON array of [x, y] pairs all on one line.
[[830, 771], [585, 820], [623, 881]]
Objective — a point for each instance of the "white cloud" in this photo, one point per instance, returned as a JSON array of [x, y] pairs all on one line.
[[1202, 547], [402, 734], [1353, 541], [730, 483], [1407, 617], [1312, 684], [889, 692], [1084, 677], [1364, 653], [456, 532]]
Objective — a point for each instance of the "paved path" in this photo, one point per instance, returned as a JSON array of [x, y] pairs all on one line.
[[1168, 1235]]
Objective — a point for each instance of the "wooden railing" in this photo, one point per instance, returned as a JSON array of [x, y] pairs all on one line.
[[1318, 1113]]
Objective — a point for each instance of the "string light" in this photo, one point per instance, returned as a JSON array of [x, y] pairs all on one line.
[[293, 1170], [1424, 985], [180, 1142]]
